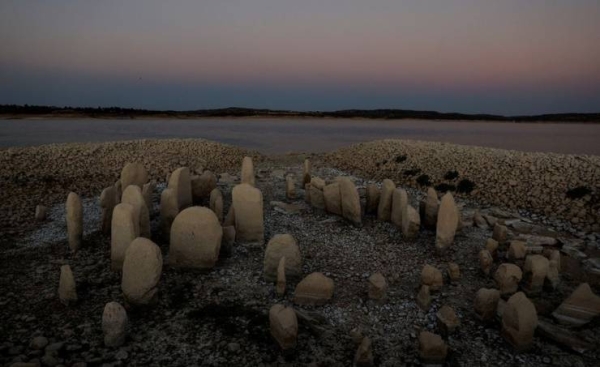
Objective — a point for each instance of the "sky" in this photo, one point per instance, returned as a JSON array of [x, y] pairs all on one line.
[[472, 56]]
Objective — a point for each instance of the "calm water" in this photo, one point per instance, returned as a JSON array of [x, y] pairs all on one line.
[[308, 135]]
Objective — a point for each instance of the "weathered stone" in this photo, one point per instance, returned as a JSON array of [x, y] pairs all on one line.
[[564, 337], [453, 272], [314, 289], [281, 278], [282, 245], [517, 250], [290, 187], [317, 199], [142, 269], [203, 185], [580, 308], [350, 201], [41, 212], [114, 324], [216, 203], [283, 325], [446, 223], [248, 211], [485, 261], [306, 172], [228, 240], [364, 354], [377, 287], [507, 278], [424, 298], [384, 209], [479, 221], [410, 222], [119, 190], [147, 192], [431, 209], [333, 198], [535, 272], [399, 204], [132, 195], [373, 193], [123, 232], [500, 233], [133, 174], [492, 246], [486, 302], [195, 239], [432, 348], [67, 291], [74, 221], [168, 210], [432, 277], [180, 182], [519, 321], [447, 320], [247, 174], [108, 201]]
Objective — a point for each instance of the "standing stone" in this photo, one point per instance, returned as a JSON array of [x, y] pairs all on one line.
[[446, 223], [281, 280], [227, 241], [280, 246], [108, 201], [123, 232], [424, 298], [535, 272], [74, 221], [350, 201], [133, 196], [333, 199], [519, 321], [364, 354], [517, 250], [114, 325], [410, 222], [486, 302], [580, 308], [432, 348], [119, 190], [290, 187], [373, 193], [133, 174], [500, 233], [195, 239], [283, 324], [147, 192], [507, 278], [432, 277], [248, 210], [203, 185], [384, 209], [67, 291], [169, 208], [399, 204], [41, 213], [492, 246], [306, 172], [314, 289], [142, 269], [447, 320], [453, 272], [485, 261], [216, 203], [181, 183], [377, 287], [431, 209], [248, 171]]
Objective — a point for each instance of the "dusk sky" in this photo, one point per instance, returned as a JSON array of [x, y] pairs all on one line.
[[491, 56]]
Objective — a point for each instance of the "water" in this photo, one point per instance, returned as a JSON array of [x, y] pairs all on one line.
[[283, 135]]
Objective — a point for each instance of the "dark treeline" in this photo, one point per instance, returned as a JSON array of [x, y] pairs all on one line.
[[118, 112]]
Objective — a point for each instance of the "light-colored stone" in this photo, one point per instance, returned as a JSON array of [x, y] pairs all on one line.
[[203, 185], [123, 232], [333, 198], [74, 221], [41, 212], [290, 187], [519, 321], [169, 208], [195, 239], [447, 320], [181, 183], [453, 272], [485, 261], [216, 203], [132, 195], [364, 354], [535, 272], [486, 302], [67, 291], [147, 193], [281, 278], [507, 278], [372, 194], [133, 174], [517, 250], [248, 211], [431, 209], [446, 223], [350, 201], [247, 174], [399, 204], [500, 233], [282, 245], [142, 269], [377, 287], [432, 348], [580, 308], [108, 201], [432, 277], [114, 324], [283, 324], [314, 289], [411, 221], [306, 172], [424, 298], [384, 209]]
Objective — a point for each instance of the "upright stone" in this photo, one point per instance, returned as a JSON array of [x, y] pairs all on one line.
[[432, 277], [399, 204], [446, 223], [432, 348], [133, 196], [133, 174], [142, 269], [248, 210], [306, 172], [350, 201], [281, 278], [486, 302], [536, 270], [280, 246], [74, 221], [123, 232], [377, 287], [195, 239], [332, 198], [580, 308], [485, 261], [364, 354], [169, 209], [410, 222], [373, 193], [216, 203], [314, 289], [507, 278], [114, 324], [447, 320], [517, 250], [431, 209], [203, 185], [384, 209], [519, 321], [108, 201], [290, 187], [283, 324], [492, 246], [67, 291], [181, 183], [248, 171], [500, 233]]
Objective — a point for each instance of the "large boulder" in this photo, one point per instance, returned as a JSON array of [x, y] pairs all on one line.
[[283, 324], [169, 208], [74, 210], [519, 321], [203, 185], [247, 175], [132, 195], [248, 211], [195, 239], [282, 245], [373, 193], [399, 204], [142, 269], [314, 289], [114, 324], [350, 201], [384, 209], [507, 278], [447, 222], [108, 201], [431, 208], [133, 174], [580, 308], [332, 198], [216, 203], [123, 232], [67, 291], [180, 182]]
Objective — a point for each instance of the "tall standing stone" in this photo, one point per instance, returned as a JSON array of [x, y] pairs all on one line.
[[216, 203], [384, 209], [306, 172], [203, 185], [142, 269], [169, 208], [67, 291], [333, 199], [446, 223], [350, 201], [290, 187], [108, 201], [114, 324], [133, 196], [133, 174], [248, 210], [373, 193], [431, 209], [123, 232], [410, 222], [519, 321], [195, 239], [248, 171], [283, 324], [399, 203], [74, 221], [181, 183], [280, 246]]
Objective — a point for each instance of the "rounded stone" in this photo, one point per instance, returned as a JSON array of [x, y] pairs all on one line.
[[282, 245], [133, 174], [248, 211], [195, 239], [114, 324], [142, 269], [123, 232]]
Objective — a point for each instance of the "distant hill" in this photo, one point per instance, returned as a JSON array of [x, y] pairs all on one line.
[[17, 111]]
